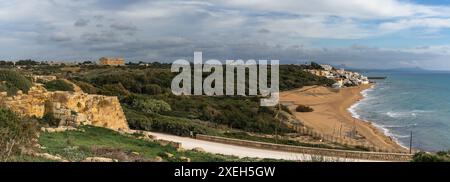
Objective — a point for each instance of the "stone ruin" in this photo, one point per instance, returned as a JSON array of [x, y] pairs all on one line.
[[71, 108]]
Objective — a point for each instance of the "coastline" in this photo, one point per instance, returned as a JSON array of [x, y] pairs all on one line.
[[333, 114], [354, 114]]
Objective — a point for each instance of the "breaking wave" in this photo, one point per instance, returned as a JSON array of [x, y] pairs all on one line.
[[406, 114]]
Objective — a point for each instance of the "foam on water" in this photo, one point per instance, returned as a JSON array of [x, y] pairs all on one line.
[[409, 102], [352, 110], [388, 133], [406, 114]]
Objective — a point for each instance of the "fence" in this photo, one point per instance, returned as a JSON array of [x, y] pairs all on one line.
[[309, 150], [341, 139]]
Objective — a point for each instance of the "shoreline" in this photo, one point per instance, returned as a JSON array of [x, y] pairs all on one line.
[[332, 114], [379, 127]]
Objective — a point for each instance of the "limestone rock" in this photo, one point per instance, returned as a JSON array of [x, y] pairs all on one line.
[[185, 159], [72, 108], [198, 149], [60, 129], [135, 153], [167, 155], [158, 159], [50, 157]]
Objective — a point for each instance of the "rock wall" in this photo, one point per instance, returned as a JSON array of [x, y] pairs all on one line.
[[72, 108]]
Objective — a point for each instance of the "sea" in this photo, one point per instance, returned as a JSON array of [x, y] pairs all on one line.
[[411, 107]]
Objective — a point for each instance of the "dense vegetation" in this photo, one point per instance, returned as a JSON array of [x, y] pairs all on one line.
[[16, 134], [432, 157], [168, 124], [303, 108], [149, 88], [293, 76], [58, 85], [12, 81], [145, 94]]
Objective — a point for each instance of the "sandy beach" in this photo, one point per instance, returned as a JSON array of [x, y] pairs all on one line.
[[332, 117]]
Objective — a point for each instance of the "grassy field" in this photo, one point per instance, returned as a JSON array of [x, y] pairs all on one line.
[[100, 142]]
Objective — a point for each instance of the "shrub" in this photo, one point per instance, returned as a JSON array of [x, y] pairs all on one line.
[[429, 157], [50, 120], [13, 82], [314, 65], [87, 88], [115, 89], [166, 124], [152, 89], [15, 133], [147, 105], [303, 108], [58, 85]]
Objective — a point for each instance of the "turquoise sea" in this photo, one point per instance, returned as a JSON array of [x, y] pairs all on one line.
[[410, 101]]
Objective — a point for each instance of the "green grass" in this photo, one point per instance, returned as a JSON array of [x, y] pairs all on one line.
[[76, 145]]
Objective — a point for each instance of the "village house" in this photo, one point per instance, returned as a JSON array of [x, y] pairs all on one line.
[[343, 78]]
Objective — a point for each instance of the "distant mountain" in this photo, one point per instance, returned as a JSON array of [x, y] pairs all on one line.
[[414, 69], [400, 70]]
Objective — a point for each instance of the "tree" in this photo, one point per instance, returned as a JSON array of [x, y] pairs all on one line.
[[16, 133], [27, 62], [314, 65], [13, 82]]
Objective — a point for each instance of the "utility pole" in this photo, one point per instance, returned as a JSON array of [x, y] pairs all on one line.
[[278, 122], [410, 142]]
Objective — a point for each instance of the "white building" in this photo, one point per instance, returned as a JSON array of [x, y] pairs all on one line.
[[326, 67]]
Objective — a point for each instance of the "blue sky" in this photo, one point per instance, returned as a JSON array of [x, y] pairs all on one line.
[[357, 33]]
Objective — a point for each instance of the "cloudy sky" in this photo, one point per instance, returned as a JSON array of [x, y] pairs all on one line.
[[357, 33]]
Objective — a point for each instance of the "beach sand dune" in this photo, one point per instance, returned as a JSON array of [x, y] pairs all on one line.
[[331, 115]]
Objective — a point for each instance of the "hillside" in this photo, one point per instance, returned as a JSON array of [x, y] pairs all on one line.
[[145, 96]]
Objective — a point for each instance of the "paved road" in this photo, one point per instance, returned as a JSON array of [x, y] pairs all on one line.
[[240, 151]]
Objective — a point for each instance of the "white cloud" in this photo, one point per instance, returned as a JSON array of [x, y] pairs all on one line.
[[430, 23], [367, 9]]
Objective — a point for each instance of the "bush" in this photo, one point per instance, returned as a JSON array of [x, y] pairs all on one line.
[[115, 90], [50, 120], [166, 124], [316, 66], [303, 108], [147, 105], [87, 88], [13, 82], [429, 157], [58, 85], [152, 89], [15, 133]]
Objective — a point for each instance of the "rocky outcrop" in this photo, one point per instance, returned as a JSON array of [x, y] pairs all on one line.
[[71, 108], [99, 159]]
